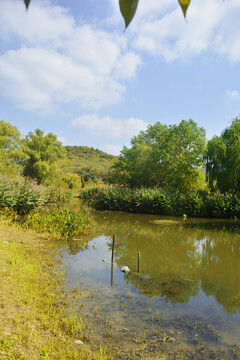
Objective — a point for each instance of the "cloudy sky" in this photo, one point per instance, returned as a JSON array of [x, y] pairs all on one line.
[[68, 67]]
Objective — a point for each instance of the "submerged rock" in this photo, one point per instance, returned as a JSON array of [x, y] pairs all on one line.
[[125, 269]]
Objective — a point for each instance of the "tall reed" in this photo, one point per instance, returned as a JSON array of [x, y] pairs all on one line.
[[158, 201]]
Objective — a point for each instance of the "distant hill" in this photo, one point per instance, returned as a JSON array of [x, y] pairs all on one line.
[[92, 164]]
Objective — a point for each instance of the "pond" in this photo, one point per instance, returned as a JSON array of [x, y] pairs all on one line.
[[183, 304]]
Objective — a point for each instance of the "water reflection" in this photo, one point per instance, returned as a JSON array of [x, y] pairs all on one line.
[[188, 289], [178, 256]]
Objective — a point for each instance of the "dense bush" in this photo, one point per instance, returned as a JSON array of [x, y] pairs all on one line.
[[158, 201], [90, 191], [20, 195], [23, 195]]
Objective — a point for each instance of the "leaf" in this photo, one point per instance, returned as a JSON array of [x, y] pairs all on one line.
[[128, 9], [27, 2], [184, 5]]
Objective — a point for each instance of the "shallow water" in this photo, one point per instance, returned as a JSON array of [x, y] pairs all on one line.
[[183, 304]]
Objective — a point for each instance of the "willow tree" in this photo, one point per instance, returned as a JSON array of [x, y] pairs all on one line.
[[169, 157], [223, 159]]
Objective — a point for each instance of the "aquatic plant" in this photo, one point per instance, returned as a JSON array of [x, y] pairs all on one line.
[[162, 202], [23, 195], [65, 223]]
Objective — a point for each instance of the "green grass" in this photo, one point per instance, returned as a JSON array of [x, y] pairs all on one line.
[[33, 306]]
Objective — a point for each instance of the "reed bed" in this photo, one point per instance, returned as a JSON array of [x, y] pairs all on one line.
[[161, 202]]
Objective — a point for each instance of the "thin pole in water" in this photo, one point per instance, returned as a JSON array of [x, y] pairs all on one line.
[[138, 262], [113, 245], [112, 274]]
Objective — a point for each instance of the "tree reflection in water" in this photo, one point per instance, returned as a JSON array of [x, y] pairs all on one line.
[[178, 257]]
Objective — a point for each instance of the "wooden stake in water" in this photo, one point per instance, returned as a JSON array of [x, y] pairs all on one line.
[[138, 262], [113, 245], [112, 274]]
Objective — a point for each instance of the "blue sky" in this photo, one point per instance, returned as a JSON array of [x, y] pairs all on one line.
[[68, 67]]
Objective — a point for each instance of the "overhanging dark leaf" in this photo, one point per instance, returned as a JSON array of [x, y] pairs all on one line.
[[128, 9], [27, 2], [184, 5]]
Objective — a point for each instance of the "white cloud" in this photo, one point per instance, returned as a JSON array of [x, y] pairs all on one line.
[[62, 139], [42, 23], [108, 127], [212, 25], [39, 78], [112, 149], [59, 61], [233, 94]]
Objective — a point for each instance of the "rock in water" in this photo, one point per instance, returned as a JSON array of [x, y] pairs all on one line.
[[125, 269]]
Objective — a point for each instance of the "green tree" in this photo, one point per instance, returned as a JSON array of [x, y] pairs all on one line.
[[42, 153], [72, 180], [223, 159], [164, 156], [10, 149]]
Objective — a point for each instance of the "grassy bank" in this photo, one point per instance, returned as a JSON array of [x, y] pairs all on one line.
[[158, 201], [34, 322]]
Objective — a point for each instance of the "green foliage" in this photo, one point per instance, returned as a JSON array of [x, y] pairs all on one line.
[[23, 195], [164, 156], [162, 202], [72, 180], [42, 153], [223, 159], [10, 149], [57, 194], [89, 192], [27, 2], [20, 195], [86, 162], [184, 5], [65, 223], [128, 9]]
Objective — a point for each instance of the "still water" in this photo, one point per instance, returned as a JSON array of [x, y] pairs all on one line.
[[184, 303]]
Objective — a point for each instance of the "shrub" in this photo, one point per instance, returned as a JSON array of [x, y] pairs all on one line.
[[20, 195], [23, 195]]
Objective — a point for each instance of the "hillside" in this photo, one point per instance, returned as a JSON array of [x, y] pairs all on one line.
[[92, 164]]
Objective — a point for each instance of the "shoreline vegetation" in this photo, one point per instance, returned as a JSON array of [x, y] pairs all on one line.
[[168, 170], [162, 202], [24, 203], [35, 323]]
